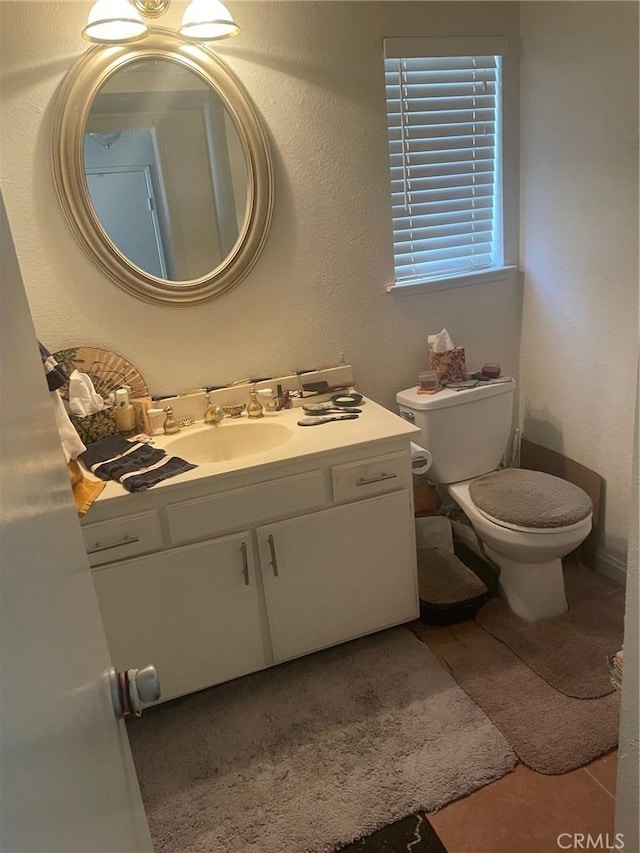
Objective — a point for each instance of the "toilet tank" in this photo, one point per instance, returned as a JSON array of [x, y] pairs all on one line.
[[466, 432]]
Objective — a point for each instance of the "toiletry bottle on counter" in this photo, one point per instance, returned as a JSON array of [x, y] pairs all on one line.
[[171, 425], [254, 409], [124, 414]]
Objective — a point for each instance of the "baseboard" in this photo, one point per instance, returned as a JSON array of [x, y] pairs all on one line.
[[612, 567]]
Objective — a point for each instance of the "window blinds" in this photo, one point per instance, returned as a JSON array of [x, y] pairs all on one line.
[[444, 138]]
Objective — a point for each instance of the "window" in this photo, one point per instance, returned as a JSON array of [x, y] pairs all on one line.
[[444, 118]]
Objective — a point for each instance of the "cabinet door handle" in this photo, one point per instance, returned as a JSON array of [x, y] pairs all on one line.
[[245, 563], [274, 559], [379, 479], [128, 540]]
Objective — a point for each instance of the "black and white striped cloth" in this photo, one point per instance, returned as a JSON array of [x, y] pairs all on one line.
[[134, 464], [56, 376]]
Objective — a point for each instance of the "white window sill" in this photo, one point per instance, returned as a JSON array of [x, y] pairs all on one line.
[[464, 280]]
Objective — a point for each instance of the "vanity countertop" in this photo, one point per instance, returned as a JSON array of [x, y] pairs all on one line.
[[375, 425]]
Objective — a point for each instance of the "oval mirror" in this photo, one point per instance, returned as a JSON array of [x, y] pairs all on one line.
[[162, 168]]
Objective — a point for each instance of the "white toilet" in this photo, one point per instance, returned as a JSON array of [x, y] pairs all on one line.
[[526, 520]]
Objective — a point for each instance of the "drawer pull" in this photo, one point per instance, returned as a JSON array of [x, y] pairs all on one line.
[[245, 563], [378, 479], [274, 559], [128, 540]]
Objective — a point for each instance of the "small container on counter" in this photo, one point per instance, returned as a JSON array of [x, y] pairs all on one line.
[[269, 403], [428, 380], [155, 421], [491, 370]]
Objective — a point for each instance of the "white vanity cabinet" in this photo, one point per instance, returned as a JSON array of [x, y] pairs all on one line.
[[223, 575], [338, 573], [192, 611]]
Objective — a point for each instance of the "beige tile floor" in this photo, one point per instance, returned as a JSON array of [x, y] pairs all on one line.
[[524, 812]]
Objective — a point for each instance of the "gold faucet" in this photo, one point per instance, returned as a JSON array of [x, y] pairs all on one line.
[[254, 409], [213, 414], [171, 425]]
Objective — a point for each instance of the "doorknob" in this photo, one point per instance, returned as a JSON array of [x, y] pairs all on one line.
[[133, 688]]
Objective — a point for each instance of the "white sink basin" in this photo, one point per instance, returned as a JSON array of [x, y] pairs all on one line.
[[228, 440]]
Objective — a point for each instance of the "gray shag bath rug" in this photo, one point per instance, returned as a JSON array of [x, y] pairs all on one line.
[[314, 753], [569, 651], [549, 732]]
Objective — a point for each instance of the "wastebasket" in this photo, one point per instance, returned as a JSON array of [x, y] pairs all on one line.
[[455, 578]]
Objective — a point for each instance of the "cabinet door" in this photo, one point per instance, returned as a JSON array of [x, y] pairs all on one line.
[[192, 612], [339, 573]]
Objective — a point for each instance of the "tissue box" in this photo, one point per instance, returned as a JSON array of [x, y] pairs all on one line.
[[90, 428], [449, 365]]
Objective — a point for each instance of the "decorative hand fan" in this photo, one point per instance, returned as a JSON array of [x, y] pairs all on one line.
[[107, 370]]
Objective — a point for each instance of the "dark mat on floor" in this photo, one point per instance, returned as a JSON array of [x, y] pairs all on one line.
[[413, 834], [569, 651]]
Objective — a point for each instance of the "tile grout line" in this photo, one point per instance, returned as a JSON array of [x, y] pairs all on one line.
[[598, 782]]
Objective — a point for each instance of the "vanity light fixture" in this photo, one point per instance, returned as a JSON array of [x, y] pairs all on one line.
[[121, 22], [207, 20], [105, 139], [114, 22]]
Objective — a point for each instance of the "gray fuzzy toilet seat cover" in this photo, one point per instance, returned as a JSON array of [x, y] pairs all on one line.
[[530, 498]]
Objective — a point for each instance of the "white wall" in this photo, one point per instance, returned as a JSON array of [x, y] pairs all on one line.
[[628, 781], [315, 71], [579, 241]]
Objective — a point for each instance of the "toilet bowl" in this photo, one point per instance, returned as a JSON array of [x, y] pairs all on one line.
[[530, 558], [527, 520]]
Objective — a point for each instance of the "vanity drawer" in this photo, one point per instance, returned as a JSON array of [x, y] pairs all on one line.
[[123, 537], [242, 508], [373, 477]]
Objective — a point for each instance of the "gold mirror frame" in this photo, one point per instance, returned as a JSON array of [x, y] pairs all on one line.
[[78, 90]]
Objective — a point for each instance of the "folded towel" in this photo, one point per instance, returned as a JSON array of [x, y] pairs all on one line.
[[72, 445], [85, 491], [135, 465]]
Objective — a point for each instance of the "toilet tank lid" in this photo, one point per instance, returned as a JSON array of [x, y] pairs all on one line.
[[448, 397]]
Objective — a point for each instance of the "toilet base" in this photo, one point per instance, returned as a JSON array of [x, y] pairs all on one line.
[[533, 591]]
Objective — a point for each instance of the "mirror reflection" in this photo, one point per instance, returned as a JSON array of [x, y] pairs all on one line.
[[165, 170]]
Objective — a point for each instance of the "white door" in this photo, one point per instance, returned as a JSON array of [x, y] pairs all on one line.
[[66, 773], [339, 573], [124, 202], [200, 624]]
